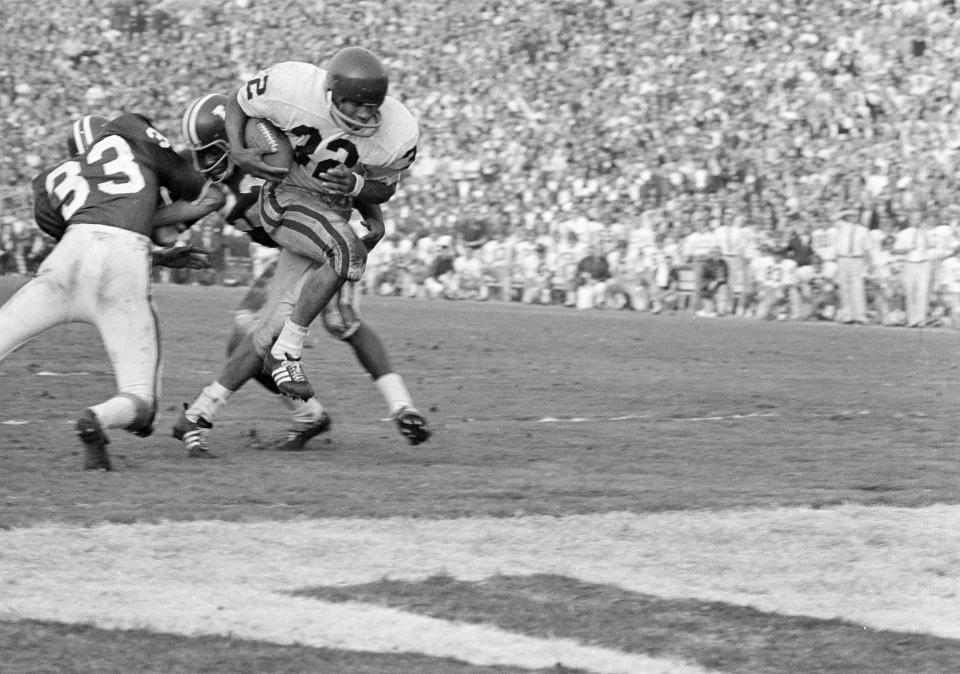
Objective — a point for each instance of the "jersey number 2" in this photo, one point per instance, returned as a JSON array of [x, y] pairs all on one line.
[[72, 189]]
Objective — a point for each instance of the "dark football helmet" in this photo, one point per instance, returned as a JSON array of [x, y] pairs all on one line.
[[83, 132], [204, 130], [356, 75]]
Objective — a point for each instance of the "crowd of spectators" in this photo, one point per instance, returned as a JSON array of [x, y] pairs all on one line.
[[552, 119]]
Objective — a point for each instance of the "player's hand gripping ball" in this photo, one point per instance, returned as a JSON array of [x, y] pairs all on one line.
[[262, 134]]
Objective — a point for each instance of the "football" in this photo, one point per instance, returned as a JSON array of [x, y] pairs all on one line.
[[263, 134]]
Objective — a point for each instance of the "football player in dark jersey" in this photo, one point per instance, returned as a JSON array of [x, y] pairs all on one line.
[[105, 204], [203, 127], [79, 139]]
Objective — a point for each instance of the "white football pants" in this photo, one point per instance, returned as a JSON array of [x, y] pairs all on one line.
[[99, 275]]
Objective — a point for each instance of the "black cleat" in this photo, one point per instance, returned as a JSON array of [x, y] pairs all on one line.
[[94, 441], [288, 375], [413, 426], [296, 438], [194, 435]]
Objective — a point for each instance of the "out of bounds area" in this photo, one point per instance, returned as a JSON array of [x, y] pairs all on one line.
[[604, 492]]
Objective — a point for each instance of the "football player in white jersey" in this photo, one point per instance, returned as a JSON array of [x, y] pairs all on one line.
[[203, 126], [351, 141]]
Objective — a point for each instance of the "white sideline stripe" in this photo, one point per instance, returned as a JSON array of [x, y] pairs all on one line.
[[349, 626], [881, 567], [631, 417], [47, 373]]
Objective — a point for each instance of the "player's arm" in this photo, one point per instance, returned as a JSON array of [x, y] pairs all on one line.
[[341, 181], [182, 257], [211, 199], [377, 184], [174, 218], [247, 159], [372, 216]]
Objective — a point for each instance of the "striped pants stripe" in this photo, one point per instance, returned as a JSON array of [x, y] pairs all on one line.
[[304, 224]]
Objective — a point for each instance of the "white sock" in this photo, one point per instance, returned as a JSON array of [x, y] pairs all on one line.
[[290, 341], [394, 391], [118, 412], [306, 411], [211, 399]]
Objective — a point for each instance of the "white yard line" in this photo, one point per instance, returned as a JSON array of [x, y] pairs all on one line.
[[887, 568]]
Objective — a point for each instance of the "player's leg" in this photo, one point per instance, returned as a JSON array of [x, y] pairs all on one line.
[[309, 227], [245, 353], [341, 317], [36, 307], [309, 417], [245, 356], [113, 293], [46, 300]]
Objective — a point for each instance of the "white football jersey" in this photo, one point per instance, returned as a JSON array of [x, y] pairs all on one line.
[[293, 95]]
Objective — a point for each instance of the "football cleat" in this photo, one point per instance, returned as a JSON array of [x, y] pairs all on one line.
[[193, 434], [296, 438], [412, 425], [94, 441], [288, 375]]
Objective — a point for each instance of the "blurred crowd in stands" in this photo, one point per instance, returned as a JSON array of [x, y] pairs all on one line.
[[579, 152]]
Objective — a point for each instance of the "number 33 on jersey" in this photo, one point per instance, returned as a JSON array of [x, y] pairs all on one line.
[[293, 96], [116, 182]]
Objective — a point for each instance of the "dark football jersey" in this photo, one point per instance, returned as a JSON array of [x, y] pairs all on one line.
[[117, 181]]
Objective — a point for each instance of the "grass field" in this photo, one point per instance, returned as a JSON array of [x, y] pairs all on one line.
[[604, 492]]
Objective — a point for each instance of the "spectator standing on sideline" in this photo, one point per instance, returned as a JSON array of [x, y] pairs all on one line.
[[912, 243], [439, 281], [467, 282], [943, 242], [732, 240], [593, 272], [537, 271], [949, 288], [885, 278], [852, 246], [666, 279], [765, 273], [714, 284]]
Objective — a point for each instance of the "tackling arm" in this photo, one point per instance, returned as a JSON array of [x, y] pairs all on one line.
[[171, 220]]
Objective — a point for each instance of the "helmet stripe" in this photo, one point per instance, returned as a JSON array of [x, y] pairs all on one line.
[[190, 119], [87, 130], [78, 136]]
